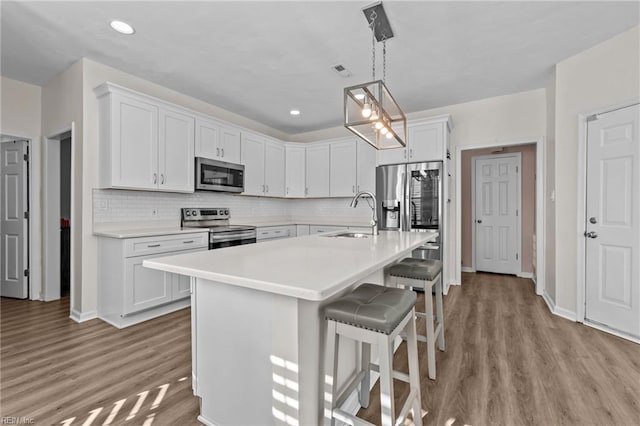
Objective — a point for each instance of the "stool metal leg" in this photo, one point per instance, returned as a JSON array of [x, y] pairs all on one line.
[[414, 370], [431, 351], [440, 313], [387, 402], [365, 386]]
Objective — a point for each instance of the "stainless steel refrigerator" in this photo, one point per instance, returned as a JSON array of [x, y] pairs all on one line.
[[410, 198]]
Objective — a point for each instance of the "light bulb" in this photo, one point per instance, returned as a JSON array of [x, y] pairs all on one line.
[[384, 130], [366, 110], [379, 125], [389, 135], [374, 115]]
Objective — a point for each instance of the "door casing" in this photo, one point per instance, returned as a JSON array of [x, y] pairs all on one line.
[[582, 211]]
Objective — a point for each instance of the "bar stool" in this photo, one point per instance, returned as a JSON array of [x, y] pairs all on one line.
[[373, 314], [425, 274]]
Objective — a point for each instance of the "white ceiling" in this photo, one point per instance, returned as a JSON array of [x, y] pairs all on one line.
[[261, 59]]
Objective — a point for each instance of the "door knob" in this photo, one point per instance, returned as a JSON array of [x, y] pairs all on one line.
[[479, 220], [593, 220], [591, 234]]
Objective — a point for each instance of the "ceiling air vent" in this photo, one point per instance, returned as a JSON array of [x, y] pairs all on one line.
[[342, 71]]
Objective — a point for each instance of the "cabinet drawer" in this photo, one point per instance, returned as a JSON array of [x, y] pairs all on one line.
[[319, 229], [271, 232], [163, 244]]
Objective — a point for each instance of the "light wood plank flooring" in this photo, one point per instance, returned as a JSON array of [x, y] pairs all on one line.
[[508, 362]]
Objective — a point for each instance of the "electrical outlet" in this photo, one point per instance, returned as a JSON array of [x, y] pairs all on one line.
[[104, 205], [154, 212]]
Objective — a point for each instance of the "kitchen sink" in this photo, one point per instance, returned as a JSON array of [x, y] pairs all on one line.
[[348, 235]]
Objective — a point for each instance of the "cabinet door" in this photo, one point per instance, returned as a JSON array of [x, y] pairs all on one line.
[[207, 139], [317, 171], [229, 144], [366, 167], [391, 156], [176, 159], [320, 229], [134, 139], [426, 142], [252, 156], [302, 230], [274, 169], [295, 171], [343, 168], [144, 288], [181, 286]]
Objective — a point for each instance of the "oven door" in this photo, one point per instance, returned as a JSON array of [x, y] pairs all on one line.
[[229, 239], [213, 175]]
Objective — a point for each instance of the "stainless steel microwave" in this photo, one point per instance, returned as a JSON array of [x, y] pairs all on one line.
[[214, 175]]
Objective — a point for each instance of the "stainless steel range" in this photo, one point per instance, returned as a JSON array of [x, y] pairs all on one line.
[[221, 233]]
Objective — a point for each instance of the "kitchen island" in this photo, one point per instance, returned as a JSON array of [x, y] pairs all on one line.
[[257, 325]]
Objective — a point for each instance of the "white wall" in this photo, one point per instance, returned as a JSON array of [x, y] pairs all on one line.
[[605, 75], [20, 112], [61, 106], [550, 207]]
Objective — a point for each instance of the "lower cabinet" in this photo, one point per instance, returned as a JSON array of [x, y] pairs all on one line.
[[319, 229], [267, 233], [129, 293]]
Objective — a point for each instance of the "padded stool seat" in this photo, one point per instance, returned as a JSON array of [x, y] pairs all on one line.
[[372, 315], [372, 307], [417, 269]]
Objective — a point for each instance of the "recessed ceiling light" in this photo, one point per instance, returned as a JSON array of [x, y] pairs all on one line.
[[122, 27], [294, 112]]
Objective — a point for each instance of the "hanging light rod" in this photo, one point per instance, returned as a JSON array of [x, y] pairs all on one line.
[[382, 27]]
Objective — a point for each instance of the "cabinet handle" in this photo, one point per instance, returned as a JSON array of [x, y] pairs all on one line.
[[306, 191], [162, 179], [222, 150], [353, 189], [287, 190], [410, 152], [155, 178], [217, 152], [358, 187], [278, 232], [405, 153], [187, 242], [263, 189], [267, 188], [153, 245]]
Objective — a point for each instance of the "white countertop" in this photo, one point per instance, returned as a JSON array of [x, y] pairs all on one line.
[[313, 267]]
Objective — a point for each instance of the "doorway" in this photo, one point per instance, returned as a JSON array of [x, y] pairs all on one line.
[[533, 204], [610, 255], [496, 220], [14, 220]]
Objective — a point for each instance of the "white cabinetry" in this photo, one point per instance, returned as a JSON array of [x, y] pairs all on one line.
[[317, 171], [426, 141], [302, 230], [295, 171], [319, 229], [343, 168], [144, 143], [217, 141], [266, 233], [129, 293], [365, 167], [264, 166]]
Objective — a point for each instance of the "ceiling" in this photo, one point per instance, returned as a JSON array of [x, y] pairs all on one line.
[[261, 59]]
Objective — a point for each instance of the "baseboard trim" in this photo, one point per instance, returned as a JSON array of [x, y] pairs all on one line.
[[467, 269], [550, 303], [528, 275], [83, 316], [606, 329], [565, 313]]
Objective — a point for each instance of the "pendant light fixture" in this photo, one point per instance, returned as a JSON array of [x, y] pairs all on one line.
[[369, 109]]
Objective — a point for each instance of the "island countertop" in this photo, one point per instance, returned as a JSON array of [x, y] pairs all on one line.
[[312, 268]]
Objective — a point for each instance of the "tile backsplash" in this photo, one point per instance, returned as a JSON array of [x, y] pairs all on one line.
[[111, 205]]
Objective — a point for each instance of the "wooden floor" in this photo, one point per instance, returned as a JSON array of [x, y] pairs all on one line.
[[508, 362]]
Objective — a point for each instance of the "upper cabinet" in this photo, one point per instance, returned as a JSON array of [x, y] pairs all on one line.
[[317, 170], [365, 167], [295, 170], [426, 141], [264, 165], [217, 141], [343, 168], [144, 143]]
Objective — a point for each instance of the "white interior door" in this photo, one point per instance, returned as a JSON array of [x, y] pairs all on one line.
[[612, 221], [497, 227], [14, 282]]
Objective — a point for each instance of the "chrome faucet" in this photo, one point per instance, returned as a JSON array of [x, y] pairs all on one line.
[[374, 208]]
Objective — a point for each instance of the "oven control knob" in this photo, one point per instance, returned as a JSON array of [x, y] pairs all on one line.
[[187, 213], [226, 212], [194, 213]]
